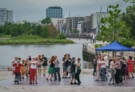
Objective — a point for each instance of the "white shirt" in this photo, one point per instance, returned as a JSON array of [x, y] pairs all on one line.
[[111, 65], [106, 61], [34, 66], [102, 66]]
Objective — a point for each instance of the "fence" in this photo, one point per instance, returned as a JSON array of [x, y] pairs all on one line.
[[5, 68]]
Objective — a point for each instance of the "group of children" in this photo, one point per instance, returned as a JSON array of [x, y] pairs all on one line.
[[31, 67]]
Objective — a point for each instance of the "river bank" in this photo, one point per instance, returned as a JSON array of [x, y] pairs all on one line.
[[32, 39]]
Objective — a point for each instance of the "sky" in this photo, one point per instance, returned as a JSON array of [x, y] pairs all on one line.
[[34, 10]]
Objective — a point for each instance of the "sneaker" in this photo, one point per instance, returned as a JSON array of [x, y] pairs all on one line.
[[30, 83]]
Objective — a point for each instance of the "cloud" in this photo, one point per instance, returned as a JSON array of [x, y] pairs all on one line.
[[35, 9]]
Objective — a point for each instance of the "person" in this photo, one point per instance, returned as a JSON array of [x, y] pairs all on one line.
[[27, 68], [44, 59], [98, 70], [56, 69], [77, 75], [103, 69], [29, 58], [95, 65], [17, 72], [13, 62], [23, 68], [51, 68], [124, 69], [33, 67], [118, 75], [73, 71], [39, 66], [65, 65], [113, 71], [69, 66], [106, 64], [130, 67]]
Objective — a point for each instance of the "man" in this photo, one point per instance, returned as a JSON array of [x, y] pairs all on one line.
[[56, 70], [73, 67], [44, 64]]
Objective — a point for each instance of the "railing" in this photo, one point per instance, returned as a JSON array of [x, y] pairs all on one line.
[[5, 68]]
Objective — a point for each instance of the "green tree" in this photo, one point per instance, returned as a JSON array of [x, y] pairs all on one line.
[[61, 36], [46, 21], [45, 32], [129, 18], [114, 29], [14, 32], [38, 30]]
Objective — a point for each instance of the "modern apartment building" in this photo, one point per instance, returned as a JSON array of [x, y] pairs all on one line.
[[54, 12], [6, 16]]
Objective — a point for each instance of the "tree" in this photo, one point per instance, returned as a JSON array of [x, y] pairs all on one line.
[[46, 21], [14, 32], [45, 32], [38, 30], [116, 29], [129, 18], [61, 36]]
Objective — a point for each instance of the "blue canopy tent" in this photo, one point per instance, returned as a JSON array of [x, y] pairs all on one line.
[[115, 46]]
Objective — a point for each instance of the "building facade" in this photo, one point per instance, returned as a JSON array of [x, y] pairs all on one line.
[[54, 12], [6, 16], [95, 20]]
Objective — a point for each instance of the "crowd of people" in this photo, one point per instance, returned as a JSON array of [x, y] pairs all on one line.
[[36, 66], [121, 69]]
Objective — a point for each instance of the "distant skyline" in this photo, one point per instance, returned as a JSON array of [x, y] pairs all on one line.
[[34, 10]]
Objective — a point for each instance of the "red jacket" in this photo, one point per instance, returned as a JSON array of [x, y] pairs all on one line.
[[17, 68]]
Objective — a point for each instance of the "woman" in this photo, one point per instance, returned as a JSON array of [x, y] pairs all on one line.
[[77, 75], [39, 66], [98, 69], [113, 71], [33, 68], [130, 67], [103, 69], [95, 65], [51, 68], [23, 69], [125, 69]]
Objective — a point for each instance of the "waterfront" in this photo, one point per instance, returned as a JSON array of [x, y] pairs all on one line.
[[8, 52]]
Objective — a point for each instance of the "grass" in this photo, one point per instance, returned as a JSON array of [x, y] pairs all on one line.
[[32, 39], [5, 36]]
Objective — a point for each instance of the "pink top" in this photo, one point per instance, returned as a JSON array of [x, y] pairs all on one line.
[[98, 65], [118, 65]]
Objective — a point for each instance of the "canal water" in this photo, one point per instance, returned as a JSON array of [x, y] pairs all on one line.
[[8, 52]]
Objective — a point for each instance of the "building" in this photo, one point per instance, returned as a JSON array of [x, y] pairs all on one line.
[[95, 20], [58, 22], [54, 12], [6, 16], [84, 26]]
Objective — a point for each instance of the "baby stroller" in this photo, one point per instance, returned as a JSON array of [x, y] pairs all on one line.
[[17, 78]]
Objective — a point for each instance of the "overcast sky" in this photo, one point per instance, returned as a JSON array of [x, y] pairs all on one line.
[[34, 10]]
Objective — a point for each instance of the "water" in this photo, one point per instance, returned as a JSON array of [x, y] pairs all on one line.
[[8, 52]]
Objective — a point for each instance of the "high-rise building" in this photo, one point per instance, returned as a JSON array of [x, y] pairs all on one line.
[[54, 12], [95, 20], [6, 16]]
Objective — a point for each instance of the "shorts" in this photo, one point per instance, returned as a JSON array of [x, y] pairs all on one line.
[[69, 69], [64, 68], [73, 75]]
